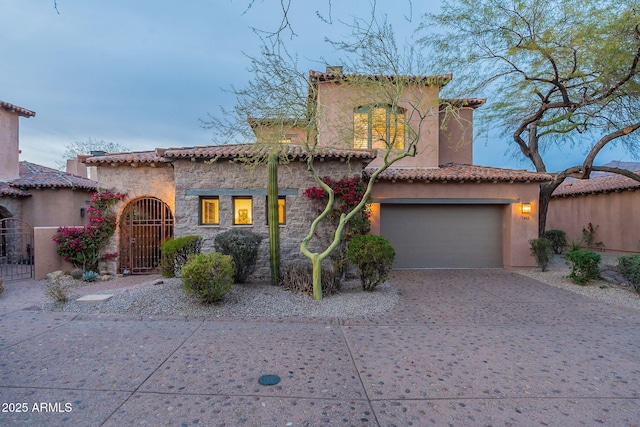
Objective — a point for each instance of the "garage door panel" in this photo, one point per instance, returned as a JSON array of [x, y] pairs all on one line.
[[444, 236]]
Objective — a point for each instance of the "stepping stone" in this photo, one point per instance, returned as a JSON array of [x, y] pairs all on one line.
[[94, 299]]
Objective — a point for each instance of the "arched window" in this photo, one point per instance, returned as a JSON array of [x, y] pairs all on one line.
[[378, 126]]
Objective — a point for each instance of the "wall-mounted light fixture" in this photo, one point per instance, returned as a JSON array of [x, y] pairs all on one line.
[[83, 212], [525, 208]]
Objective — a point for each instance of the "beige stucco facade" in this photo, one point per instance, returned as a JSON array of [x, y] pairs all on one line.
[[9, 131], [615, 214]]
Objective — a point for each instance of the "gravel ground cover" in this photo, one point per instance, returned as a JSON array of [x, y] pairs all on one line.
[[165, 297], [612, 293], [155, 296]]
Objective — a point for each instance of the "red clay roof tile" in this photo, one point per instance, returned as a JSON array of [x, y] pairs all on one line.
[[598, 184], [37, 176], [226, 151], [460, 172], [15, 109]]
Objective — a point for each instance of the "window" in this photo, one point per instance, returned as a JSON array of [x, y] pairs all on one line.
[[242, 211], [209, 211], [281, 210], [374, 127]]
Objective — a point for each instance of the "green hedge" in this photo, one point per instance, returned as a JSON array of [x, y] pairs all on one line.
[[373, 256], [209, 276], [176, 253]]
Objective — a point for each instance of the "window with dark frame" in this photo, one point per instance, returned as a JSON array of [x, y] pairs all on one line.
[[209, 211], [282, 209], [376, 126], [242, 210]]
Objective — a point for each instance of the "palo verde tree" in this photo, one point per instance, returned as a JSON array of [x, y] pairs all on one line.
[[556, 73], [379, 76]]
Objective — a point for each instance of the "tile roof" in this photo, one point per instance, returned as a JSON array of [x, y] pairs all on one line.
[[123, 158], [36, 176], [321, 76], [594, 185], [459, 173], [227, 151], [15, 109]]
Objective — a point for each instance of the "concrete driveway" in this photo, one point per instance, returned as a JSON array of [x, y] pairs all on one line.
[[462, 348]]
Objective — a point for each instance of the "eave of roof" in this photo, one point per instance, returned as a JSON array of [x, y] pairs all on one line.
[[34, 176], [437, 80], [15, 109], [134, 157], [595, 185], [225, 151], [291, 151], [460, 173]]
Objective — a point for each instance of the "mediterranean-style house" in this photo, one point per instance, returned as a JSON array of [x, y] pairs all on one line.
[[437, 208], [609, 202], [33, 197]]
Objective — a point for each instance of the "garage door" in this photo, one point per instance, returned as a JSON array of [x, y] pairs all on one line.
[[444, 236]]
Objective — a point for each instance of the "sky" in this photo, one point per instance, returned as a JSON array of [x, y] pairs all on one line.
[[143, 73]]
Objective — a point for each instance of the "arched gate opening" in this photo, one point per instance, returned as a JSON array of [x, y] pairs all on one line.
[[144, 225]]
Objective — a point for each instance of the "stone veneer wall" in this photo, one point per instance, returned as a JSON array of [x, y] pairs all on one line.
[[136, 182], [224, 178]]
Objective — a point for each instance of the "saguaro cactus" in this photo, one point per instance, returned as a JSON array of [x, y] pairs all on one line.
[[274, 226]]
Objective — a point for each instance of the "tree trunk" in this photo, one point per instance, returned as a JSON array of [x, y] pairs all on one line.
[[546, 190], [274, 225]]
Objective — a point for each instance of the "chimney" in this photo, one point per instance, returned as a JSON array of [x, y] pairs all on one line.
[[10, 140], [335, 70]]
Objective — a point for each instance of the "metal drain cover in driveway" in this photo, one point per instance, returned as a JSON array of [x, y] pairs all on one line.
[[269, 380]]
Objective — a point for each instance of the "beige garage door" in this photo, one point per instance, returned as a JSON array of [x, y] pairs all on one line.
[[444, 236]]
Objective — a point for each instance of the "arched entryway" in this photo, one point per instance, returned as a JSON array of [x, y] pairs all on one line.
[[145, 224]]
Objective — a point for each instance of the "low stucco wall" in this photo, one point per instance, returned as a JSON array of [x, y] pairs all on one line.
[[46, 259], [616, 216]]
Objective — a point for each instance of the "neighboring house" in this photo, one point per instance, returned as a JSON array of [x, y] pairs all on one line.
[[438, 210], [32, 196], [609, 202]]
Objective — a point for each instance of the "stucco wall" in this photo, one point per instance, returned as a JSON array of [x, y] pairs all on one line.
[[9, 157], [615, 214], [46, 259], [518, 229], [336, 104], [53, 208], [456, 137], [11, 207], [223, 177]]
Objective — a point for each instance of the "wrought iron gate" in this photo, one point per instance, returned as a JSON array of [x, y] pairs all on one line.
[[145, 223], [16, 249]]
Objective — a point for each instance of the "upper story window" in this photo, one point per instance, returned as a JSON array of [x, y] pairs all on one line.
[[242, 211], [209, 211], [376, 126]]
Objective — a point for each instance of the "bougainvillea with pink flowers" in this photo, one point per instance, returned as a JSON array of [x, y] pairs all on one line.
[[348, 193], [81, 246]]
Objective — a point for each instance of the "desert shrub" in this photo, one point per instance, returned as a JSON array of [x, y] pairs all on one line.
[[176, 253], [542, 251], [297, 276], [208, 276], [373, 256], [90, 276], [242, 246], [558, 240], [59, 287], [630, 268], [584, 266]]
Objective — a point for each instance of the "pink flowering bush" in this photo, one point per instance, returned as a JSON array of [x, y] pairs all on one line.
[[348, 193], [81, 246]]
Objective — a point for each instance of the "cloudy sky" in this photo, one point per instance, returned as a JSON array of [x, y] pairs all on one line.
[[142, 73]]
